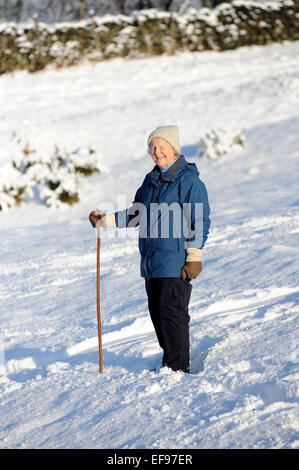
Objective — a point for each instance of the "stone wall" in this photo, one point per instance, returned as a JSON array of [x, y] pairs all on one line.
[[147, 32]]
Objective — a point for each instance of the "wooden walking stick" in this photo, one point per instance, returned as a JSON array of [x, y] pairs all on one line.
[[98, 301]]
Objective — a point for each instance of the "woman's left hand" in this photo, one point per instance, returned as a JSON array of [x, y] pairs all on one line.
[[191, 269]]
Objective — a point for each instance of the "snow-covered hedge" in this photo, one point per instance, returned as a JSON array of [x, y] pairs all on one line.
[[49, 179], [147, 32]]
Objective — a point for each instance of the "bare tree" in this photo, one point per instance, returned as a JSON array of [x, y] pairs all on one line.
[[121, 6], [19, 8], [5, 9], [82, 9]]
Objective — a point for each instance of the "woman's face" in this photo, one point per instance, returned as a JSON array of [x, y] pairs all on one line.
[[162, 153]]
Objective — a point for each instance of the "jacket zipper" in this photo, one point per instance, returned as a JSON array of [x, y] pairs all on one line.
[[148, 261]]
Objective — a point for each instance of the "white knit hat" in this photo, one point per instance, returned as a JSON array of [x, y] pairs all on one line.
[[168, 133]]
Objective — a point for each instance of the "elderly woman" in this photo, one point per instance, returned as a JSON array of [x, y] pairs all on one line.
[[173, 218]]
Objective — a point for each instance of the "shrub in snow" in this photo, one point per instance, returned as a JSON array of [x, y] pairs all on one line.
[[14, 188], [218, 142], [54, 179], [59, 187]]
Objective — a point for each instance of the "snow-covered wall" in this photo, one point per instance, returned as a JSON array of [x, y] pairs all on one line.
[[147, 32]]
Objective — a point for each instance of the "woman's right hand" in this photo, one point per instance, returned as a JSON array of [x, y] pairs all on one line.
[[95, 216]]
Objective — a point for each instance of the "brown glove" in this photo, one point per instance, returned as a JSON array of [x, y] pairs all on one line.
[[191, 269], [95, 216]]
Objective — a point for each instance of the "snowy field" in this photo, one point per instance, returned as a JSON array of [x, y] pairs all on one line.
[[243, 390]]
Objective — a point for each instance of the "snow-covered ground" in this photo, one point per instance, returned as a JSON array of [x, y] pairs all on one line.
[[243, 390]]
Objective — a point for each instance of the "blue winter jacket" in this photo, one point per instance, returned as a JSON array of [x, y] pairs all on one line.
[[172, 212]]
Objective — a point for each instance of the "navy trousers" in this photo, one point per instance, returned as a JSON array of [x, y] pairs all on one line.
[[168, 301]]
